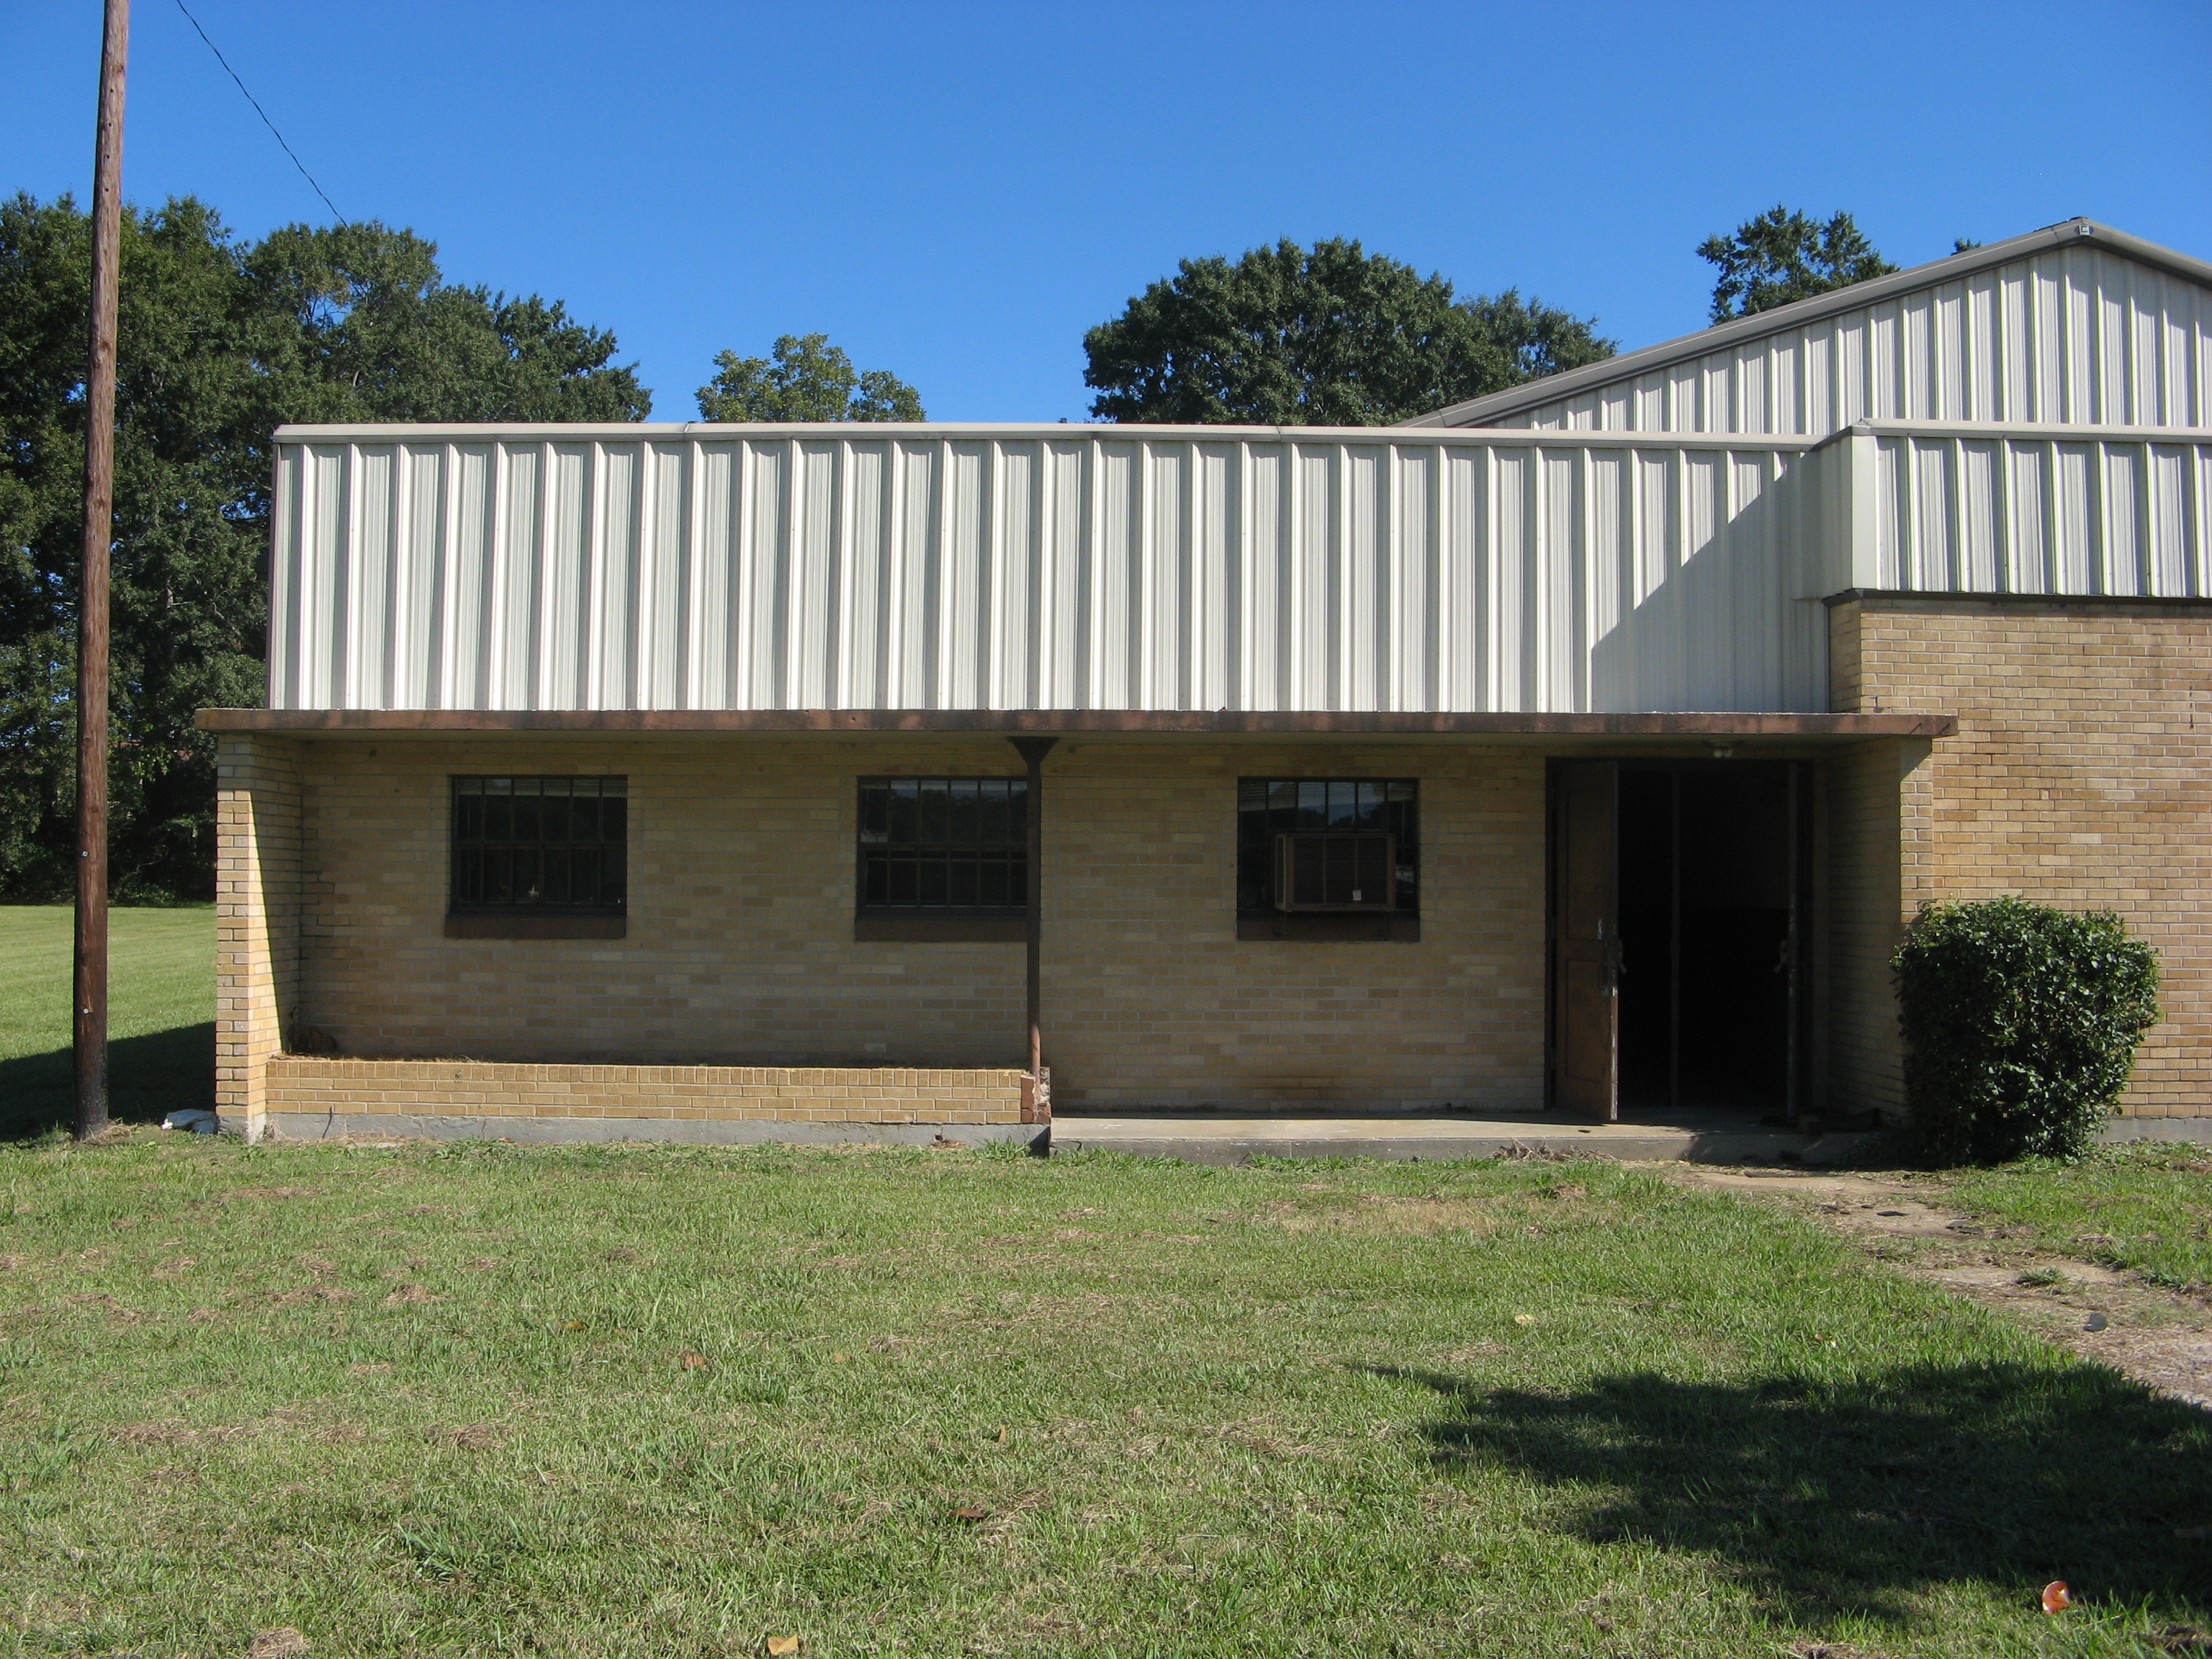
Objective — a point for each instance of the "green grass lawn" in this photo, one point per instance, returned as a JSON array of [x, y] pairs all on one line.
[[656, 1401], [2146, 1207], [162, 1015]]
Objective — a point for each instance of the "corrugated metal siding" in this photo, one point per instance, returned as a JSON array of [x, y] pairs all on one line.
[[1042, 568], [1999, 512], [2078, 335]]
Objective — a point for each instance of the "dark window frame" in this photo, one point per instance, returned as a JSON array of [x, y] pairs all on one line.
[[1322, 809], [501, 831], [941, 858]]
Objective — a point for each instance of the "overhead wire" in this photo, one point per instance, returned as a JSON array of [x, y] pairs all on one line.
[[262, 112]]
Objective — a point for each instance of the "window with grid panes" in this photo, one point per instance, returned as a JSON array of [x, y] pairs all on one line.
[[539, 845], [945, 843], [1343, 844]]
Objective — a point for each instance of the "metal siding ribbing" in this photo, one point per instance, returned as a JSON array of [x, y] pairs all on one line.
[[2011, 513], [996, 568], [2077, 335]]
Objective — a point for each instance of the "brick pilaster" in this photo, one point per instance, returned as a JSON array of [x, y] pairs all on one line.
[[257, 870]]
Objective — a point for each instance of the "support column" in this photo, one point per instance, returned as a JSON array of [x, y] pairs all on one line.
[[1036, 1090], [1879, 812], [258, 867]]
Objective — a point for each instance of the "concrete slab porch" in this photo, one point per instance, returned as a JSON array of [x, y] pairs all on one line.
[[1692, 1138], [1206, 1139]]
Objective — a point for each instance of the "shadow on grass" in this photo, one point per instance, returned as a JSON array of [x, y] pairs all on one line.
[[148, 1077], [1833, 1496]]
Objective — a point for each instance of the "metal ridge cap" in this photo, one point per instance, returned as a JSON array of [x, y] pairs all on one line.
[[1133, 431], [1782, 318], [2149, 252], [1906, 428]]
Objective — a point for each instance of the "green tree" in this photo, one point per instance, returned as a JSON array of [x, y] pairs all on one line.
[[804, 378], [369, 331], [1782, 256], [218, 342], [1332, 335]]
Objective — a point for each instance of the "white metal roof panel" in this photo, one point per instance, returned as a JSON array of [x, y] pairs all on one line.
[[705, 567], [2077, 324]]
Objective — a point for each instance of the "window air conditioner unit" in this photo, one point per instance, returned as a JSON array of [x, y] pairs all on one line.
[[1334, 870]]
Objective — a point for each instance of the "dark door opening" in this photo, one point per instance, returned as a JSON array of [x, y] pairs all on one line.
[[1711, 891], [1585, 938]]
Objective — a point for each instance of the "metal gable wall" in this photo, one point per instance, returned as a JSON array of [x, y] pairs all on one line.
[[2076, 334], [715, 567], [1967, 509]]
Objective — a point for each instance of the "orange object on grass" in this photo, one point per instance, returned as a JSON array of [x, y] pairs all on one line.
[[2057, 1598]]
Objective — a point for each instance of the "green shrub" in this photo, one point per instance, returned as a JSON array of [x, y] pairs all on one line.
[[2020, 1024]]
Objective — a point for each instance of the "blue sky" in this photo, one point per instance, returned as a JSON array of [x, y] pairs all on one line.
[[956, 193]]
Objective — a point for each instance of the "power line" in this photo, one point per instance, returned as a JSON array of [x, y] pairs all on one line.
[[261, 111]]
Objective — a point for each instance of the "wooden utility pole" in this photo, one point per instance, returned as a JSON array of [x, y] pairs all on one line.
[[90, 1020]]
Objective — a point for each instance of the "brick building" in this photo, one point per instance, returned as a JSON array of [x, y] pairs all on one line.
[[1585, 745]]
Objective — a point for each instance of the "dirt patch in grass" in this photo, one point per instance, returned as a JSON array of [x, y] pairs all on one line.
[[471, 1436], [1387, 1213], [2158, 1336]]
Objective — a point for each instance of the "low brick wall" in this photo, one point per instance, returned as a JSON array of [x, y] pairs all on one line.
[[306, 1095]]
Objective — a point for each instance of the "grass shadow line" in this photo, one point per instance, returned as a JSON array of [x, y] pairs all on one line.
[[1828, 1495], [149, 1076]]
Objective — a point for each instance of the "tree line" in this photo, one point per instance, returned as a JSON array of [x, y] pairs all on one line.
[[222, 339]]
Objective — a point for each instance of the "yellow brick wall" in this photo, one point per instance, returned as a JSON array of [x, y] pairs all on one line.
[[2080, 776], [391, 1088], [1152, 999], [256, 932], [1871, 797], [739, 948]]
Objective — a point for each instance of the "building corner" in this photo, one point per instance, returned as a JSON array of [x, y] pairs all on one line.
[[258, 875]]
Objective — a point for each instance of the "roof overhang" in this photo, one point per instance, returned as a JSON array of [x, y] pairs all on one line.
[[1091, 722]]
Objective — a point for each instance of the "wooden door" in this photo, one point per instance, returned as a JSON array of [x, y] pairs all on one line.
[[1586, 939]]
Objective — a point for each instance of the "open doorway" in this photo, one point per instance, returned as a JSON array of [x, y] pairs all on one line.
[[1711, 916]]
